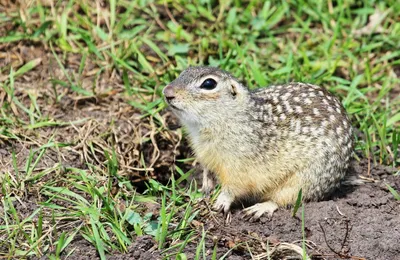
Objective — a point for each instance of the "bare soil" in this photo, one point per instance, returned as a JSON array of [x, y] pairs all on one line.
[[358, 222]]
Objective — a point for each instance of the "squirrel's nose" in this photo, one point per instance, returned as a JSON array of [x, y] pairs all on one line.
[[169, 93]]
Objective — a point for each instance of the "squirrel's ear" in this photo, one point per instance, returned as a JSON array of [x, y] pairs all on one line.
[[236, 89]]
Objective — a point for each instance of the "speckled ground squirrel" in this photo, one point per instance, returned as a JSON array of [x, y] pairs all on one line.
[[263, 145]]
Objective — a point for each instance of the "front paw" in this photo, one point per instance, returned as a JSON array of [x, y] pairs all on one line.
[[206, 188], [223, 204], [208, 183]]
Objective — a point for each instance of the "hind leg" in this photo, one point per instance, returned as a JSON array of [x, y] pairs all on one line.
[[259, 209], [280, 197]]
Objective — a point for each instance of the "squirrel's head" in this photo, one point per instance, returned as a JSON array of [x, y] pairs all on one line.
[[201, 93]]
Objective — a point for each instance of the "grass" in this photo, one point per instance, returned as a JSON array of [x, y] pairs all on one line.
[[124, 53]]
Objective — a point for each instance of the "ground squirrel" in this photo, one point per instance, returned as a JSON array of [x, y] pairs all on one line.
[[263, 145]]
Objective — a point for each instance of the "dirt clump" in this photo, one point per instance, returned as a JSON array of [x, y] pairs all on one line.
[[144, 248]]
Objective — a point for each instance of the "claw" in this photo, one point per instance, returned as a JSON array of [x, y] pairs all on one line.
[[223, 204], [245, 216], [256, 211], [228, 218], [206, 192], [218, 208]]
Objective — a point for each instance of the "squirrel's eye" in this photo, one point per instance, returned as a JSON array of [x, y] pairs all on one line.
[[208, 84]]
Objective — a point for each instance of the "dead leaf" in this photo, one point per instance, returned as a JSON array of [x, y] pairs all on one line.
[[374, 24]]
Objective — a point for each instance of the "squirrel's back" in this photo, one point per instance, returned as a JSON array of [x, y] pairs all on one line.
[[305, 127], [299, 109]]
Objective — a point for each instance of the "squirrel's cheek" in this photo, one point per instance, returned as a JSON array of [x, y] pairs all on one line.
[[213, 96]]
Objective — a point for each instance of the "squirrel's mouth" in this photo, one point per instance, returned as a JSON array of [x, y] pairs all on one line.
[[177, 108], [173, 106]]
